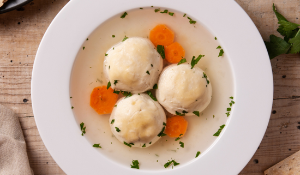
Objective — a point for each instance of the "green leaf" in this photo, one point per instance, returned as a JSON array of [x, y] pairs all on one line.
[[181, 144], [221, 53], [125, 38], [112, 121], [127, 144], [195, 61], [278, 15], [161, 51], [97, 145], [124, 14], [108, 85], [165, 11], [144, 145], [151, 95], [183, 60], [295, 43], [148, 72], [277, 46], [161, 134], [135, 164], [155, 86], [219, 131], [126, 94], [291, 34], [198, 153], [115, 82], [166, 165], [197, 113], [178, 113], [171, 13], [286, 28], [177, 138], [157, 10], [117, 129]]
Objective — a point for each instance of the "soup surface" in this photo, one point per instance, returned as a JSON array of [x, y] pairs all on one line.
[[87, 74]]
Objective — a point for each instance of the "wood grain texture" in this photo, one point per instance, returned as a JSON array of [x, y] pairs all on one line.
[[22, 30]]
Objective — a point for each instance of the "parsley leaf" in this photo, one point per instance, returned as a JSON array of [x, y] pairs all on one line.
[[112, 121], [161, 51], [124, 14], [126, 94], [166, 165], [165, 11], [219, 47], [115, 82], [135, 164], [181, 144], [144, 145], [278, 15], [277, 46], [221, 53], [215, 38], [198, 153], [157, 10], [108, 85], [296, 43], [195, 61], [191, 21], [205, 76], [286, 27], [155, 86], [106, 54], [184, 15], [219, 131], [151, 95], [197, 113], [161, 134], [183, 60], [97, 145], [117, 129], [228, 109], [116, 92], [228, 114], [113, 36], [148, 72], [82, 128], [125, 38], [125, 143], [177, 138], [171, 13], [178, 113], [83, 48]]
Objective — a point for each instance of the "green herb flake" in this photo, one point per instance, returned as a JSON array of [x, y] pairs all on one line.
[[295, 43], [155, 86], [171, 13], [177, 138], [228, 114], [197, 113], [230, 104], [135, 164], [219, 131], [144, 145], [115, 105], [126, 94], [183, 60], [191, 21], [82, 128], [125, 38], [97, 145], [71, 97], [219, 47], [150, 143], [215, 38], [141, 8], [83, 48], [164, 124], [198, 153], [180, 114], [115, 82], [184, 15], [156, 10], [213, 116], [181, 144], [161, 134], [116, 92], [195, 61], [117, 129], [228, 109], [221, 53], [112, 121], [124, 14], [151, 65], [108, 85], [166, 165], [87, 39], [113, 36], [72, 107], [127, 144], [106, 54], [151, 95], [231, 97], [165, 11], [180, 135], [148, 72], [161, 51], [205, 76]]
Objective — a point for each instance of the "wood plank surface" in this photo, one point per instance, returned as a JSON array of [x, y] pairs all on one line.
[[22, 30]]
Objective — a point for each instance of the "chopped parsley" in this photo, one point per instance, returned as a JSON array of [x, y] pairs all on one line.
[[97, 145], [231, 97], [228, 109], [221, 53], [124, 14], [150, 143], [197, 113], [126, 94], [184, 15], [127, 144], [183, 60], [180, 135], [161, 134], [108, 85], [82, 128], [228, 114], [177, 138], [165, 11], [116, 92], [87, 39], [219, 47], [148, 72], [215, 38], [166, 165], [144, 145], [106, 54], [178, 113], [151, 65], [115, 82], [219, 131], [72, 107], [156, 10], [205, 76], [117, 129], [184, 112], [155, 86], [151, 95], [71, 97], [191, 21], [141, 8], [213, 116], [171, 13], [198, 153], [135, 164], [161, 51], [195, 61], [83, 48], [181, 144], [125, 38], [112, 121], [113, 36], [115, 105], [164, 124]]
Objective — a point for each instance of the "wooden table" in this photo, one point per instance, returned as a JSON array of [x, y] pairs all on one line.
[[22, 30]]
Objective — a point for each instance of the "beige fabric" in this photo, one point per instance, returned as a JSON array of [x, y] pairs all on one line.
[[13, 155], [289, 166], [2, 2]]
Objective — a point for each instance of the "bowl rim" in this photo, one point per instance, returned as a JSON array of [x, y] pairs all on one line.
[[243, 44]]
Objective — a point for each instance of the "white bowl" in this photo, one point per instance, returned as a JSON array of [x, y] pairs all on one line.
[[224, 18]]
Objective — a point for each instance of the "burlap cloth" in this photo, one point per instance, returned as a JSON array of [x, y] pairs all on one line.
[[13, 155]]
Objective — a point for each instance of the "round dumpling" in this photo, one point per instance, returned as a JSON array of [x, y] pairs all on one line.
[[182, 90], [137, 120], [133, 65]]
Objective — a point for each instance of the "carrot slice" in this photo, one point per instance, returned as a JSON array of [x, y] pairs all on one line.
[[176, 126], [103, 100], [174, 52], [161, 35]]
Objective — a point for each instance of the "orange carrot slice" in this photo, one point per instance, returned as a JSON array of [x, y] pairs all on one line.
[[103, 100], [176, 126], [161, 35], [174, 52]]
